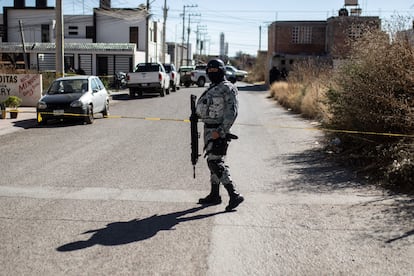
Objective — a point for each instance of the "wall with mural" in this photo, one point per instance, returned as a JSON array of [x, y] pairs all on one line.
[[26, 86]]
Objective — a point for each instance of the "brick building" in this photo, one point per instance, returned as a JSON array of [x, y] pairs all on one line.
[[289, 41]]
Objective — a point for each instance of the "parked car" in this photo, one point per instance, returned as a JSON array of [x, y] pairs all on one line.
[[174, 76], [240, 74], [199, 75], [230, 76], [148, 77], [185, 75], [78, 97]]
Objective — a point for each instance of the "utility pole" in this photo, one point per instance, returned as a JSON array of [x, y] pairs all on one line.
[[260, 38], [199, 42], [60, 52], [147, 32], [163, 32], [183, 37], [23, 45], [188, 35]]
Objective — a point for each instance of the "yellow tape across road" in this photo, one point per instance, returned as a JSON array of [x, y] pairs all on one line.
[[244, 124]]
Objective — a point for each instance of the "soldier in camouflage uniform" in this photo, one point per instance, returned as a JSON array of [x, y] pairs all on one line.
[[217, 107]]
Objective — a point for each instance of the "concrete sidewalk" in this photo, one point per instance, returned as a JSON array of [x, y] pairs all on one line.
[[25, 118]]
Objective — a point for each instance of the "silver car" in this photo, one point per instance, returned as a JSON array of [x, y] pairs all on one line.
[[78, 97]]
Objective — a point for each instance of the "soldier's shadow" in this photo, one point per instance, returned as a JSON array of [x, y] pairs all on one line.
[[118, 233]]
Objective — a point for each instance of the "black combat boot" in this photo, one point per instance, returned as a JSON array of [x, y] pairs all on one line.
[[235, 197], [213, 198]]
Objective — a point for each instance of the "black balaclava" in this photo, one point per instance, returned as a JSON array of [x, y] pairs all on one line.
[[216, 70]]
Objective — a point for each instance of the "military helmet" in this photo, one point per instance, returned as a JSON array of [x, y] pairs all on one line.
[[216, 70]]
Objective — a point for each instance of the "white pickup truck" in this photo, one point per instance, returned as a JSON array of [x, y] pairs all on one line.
[[199, 75], [150, 78]]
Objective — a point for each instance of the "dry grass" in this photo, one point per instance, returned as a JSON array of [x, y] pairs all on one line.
[[304, 90]]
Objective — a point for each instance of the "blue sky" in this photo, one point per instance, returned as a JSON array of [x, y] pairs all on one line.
[[240, 20]]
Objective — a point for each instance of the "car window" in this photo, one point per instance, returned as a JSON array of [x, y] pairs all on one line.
[[231, 68], [84, 86], [100, 84], [95, 85], [66, 86], [147, 68], [186, 69], [167, 68]]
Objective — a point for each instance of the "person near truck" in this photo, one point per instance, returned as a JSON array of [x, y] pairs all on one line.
[[217, 107]]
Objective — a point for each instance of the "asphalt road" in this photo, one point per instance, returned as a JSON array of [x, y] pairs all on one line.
[[117, 198]]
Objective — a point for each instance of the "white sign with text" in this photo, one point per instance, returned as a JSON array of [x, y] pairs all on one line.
[[26, 86]]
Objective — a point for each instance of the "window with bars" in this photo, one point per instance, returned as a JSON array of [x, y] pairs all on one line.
[[355, 31], [302, 35]]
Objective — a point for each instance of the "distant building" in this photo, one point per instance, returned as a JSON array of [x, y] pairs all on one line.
[[290, 41], [222, 45]]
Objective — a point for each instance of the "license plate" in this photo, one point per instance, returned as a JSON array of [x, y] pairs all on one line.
[[145, 84], [58, 112]]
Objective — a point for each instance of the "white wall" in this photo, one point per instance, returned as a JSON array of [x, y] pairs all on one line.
[[71, 22], [110, 28], [32, 20]]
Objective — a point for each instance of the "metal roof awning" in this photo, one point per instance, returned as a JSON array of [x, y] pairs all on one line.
[[11, 47]]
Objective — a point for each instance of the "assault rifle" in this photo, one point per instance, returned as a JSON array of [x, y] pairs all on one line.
[[194, 133]]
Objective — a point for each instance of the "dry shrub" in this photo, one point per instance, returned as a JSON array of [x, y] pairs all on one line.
[[376, 87], [375, 93], [257, 74]]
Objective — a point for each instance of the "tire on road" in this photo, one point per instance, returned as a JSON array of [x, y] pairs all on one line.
[[201, 82], [89, 115]]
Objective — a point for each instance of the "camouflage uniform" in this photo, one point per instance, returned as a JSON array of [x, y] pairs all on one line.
[[217, 107]]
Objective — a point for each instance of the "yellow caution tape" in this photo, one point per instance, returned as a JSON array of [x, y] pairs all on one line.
[[39, 118]]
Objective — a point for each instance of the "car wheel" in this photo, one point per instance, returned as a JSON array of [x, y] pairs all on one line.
[[132, 93], [105, 112], [167, 91], [187, 84], [201, 82], [89, 115], [162, 92]]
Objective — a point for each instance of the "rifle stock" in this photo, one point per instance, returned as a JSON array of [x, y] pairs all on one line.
[[194, 133]]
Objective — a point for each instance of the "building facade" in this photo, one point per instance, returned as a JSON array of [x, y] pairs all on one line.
[[290, 41], [108, 41]]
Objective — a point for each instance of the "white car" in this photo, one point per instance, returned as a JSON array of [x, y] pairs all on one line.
[[240, 74], [174, 76], [76, 97]]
